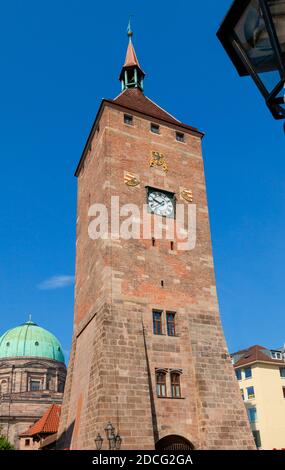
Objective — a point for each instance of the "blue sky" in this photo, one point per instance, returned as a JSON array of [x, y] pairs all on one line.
[[58, 59]]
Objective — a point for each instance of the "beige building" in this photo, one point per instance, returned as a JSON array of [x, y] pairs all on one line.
[[261, 376]]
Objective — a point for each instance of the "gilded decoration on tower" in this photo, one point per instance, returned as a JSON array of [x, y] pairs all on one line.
[[131, 180], [158, 159], [187, 195]]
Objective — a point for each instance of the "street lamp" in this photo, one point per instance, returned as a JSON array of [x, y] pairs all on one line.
[[253, 35], [115, 441], [99, 442], [109, 430], [118, 442], [112, 442]]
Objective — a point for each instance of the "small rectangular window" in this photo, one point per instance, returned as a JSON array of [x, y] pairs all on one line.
[[27, 442], [276, 355], [283, 388], [170, 320], [175, 385], [252, 416], [180, 137], [161, 384], [35, 385], [60, 387], [250, 393], [282, 372], [238, 374], [154, 128], [248, 372], [157, 324], [128, 119]]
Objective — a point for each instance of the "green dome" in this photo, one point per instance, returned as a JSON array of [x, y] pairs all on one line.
[[30, 340]]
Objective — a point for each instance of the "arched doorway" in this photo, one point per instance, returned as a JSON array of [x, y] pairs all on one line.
[[173, 442]]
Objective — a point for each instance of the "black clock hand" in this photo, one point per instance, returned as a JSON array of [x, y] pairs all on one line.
[[158, 201]]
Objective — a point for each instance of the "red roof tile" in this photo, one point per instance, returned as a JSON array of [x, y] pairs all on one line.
[[255, 354], [47, 424], [133, 98]]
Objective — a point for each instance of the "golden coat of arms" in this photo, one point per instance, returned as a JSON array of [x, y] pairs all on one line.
[[158, 159], [131, 180], [187, 195]]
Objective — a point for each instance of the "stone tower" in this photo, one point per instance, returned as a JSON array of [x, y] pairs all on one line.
[[148, 352]]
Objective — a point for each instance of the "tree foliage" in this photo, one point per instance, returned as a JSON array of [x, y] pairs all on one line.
[[4, 443]]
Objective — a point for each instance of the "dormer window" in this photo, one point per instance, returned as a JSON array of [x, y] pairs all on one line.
[[154, 128], [276, 355]]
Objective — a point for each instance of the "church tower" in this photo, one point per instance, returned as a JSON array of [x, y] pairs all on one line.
[[148, 352]]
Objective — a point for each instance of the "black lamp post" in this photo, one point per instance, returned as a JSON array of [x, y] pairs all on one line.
[[253, 35], [115, 440], [99, 442], [109, 430], [118, 442]]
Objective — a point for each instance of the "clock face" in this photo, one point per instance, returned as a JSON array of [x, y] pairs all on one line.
[[161, 203]]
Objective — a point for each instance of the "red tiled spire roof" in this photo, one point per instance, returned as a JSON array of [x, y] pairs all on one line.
[[131, 59], [131, 64], [47, 424], [133, 99]]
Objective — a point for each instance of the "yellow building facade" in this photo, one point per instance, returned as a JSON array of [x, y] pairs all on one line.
[[261, 376]]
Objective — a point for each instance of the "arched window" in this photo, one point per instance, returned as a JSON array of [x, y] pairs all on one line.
[[175, 385], [161, 383]]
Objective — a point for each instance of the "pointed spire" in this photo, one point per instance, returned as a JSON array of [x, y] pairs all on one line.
[[132, 74], [131, 59], [129, 30]]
